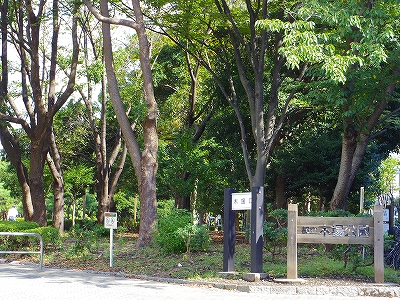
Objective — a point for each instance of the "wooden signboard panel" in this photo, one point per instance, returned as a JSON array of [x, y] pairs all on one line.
[[335, 230]]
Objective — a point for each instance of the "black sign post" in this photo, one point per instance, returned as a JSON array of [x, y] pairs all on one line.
[[229, 232], [257, 222]]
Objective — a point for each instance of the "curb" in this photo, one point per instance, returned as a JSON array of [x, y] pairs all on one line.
[[375, 290]]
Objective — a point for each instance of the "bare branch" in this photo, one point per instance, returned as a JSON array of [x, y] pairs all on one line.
[[108, 20]]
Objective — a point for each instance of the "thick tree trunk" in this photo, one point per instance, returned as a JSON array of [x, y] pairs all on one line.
[[12, 148], [39, 151], [353, 150], [349, 144], [58, 186], [145, 163], [280, 199], [147, 188]]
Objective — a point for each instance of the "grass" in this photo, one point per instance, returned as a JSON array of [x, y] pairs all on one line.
[[151, 261]]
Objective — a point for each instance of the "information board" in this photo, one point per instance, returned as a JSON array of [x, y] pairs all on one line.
[[110, 220]]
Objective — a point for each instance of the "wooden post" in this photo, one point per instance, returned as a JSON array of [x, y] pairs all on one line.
[[361, 200], [378, 245], [292, 242]]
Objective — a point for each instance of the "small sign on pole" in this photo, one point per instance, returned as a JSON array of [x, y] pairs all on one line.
[[110, 221]]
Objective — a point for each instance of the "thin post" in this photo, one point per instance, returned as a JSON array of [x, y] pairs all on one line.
[[292, 242], [111, 246], [229, 232], [378, 245], [361, 200]]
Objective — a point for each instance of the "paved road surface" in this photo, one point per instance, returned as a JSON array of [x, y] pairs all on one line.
[[23, 282]]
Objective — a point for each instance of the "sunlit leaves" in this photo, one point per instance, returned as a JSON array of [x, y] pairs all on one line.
[[95, 71]]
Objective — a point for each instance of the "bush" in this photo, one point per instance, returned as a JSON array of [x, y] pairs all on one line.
[[91, 225], [19, 226], [275, 231], [86, 239], [196, 237], [50, 235], [177, 234]]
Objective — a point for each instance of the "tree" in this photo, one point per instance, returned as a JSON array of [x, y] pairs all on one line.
[[210, 32], [368, 32], [39, 95], [145, 162], [105, 158]]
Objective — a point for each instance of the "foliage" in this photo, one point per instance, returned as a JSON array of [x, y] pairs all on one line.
[[356, 255], [177, 234], [125, 205], [387, 171], [275, 231], [195, 236], [18, 226], [309, 161], [202, 163], [51, 236], [85, 237]]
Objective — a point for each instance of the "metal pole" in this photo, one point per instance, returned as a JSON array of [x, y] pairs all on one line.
[[111, 246]]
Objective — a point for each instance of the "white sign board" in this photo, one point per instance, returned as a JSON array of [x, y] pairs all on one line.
[[110, 220], [241, 201], [385, 215]]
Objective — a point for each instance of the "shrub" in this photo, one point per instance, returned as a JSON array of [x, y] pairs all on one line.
[[19, 226], [50, 235], [275, 231], [84, 241], [196, 237], [177, 234]]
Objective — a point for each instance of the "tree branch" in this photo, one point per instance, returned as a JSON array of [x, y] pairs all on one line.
[[108, 20]]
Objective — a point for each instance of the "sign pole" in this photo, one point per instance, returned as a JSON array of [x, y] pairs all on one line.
[[111, 246], [110, 221], [257, 222], [229, 232]]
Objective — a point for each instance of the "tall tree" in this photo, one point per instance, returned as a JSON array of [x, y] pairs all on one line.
[[106, 159], [145, 162], [39, 94], [367, 31], [245, 63]]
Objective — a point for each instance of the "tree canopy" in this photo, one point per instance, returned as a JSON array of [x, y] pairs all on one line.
[[194, 97]]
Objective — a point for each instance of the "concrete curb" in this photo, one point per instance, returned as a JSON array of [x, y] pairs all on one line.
[[374, 290], [370, 290]]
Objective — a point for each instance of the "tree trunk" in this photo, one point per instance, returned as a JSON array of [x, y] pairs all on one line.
[[349, 143], [39, 151], [58, 186], [354, 145], [12, 148], [145, 163]]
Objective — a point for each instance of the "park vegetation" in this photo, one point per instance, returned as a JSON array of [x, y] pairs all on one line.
[[131, 106]]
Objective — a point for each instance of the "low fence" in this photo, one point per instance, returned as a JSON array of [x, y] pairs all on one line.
[[25, 252], [335, 230]]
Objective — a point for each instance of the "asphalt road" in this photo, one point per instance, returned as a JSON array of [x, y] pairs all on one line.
[[24, 282]]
